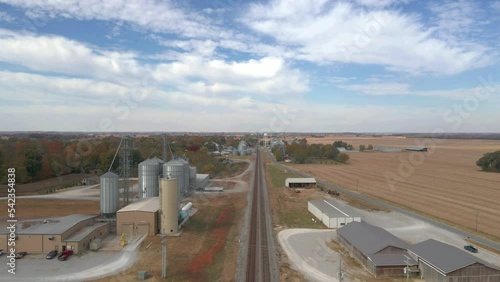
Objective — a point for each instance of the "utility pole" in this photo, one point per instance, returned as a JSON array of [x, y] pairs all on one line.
[[477, 216], [407, 269], [163, 257], [341, 274]]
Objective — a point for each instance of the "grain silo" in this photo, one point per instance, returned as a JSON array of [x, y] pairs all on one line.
[[149, 171], [160, 162], [169, 206], [175, 169], [192, 177], [186, 176], [109, 194]]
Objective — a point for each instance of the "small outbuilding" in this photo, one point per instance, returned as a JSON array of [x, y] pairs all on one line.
[[332, 214], [201, 181], [441, 262], [139, 218], [300, 183]]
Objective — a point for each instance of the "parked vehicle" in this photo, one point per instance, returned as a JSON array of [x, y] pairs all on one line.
[[65, 255], [1, 253], [20, 255], [52, 254], [470, 248]]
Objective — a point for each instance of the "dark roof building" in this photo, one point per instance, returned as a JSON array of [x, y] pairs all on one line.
[[442, 263], [382, 253]]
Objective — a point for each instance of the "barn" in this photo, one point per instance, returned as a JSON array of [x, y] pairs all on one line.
[[332, 214], [380, 252], [300, 183], [441, 262], [139, 218]]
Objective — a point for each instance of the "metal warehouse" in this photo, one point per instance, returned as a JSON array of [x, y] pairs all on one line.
[[73, 232], [332, 214], [441, 262], [382, 253], [139, 218], [300, 183]]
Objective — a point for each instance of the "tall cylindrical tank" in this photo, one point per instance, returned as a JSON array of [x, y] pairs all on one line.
[[192, 177], [175, 169], [109, 194], [185, 164], [149, 170], [161, 162], [169, 206]]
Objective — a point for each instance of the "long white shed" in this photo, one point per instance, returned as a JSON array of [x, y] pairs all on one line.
[[332, 214]]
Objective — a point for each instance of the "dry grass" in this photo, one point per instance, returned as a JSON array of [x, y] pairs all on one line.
[[36, 208], [447, 184]]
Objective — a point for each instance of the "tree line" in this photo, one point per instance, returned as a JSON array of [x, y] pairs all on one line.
[[490, 162], [301, 152]]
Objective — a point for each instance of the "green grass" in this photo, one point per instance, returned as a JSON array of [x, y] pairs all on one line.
[[289, 214]]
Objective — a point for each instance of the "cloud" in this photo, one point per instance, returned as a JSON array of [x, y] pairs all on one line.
[[322, 32], [378, 88], [4, 17]]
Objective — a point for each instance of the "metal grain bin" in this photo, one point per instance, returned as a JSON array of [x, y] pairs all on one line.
[[192, 177], [109, 194], [186, 176], [175, 169], [149, 171]]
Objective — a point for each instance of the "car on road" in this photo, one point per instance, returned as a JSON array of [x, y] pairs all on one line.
[[470, 248], [65, 255], [20, 255], [52, 254]]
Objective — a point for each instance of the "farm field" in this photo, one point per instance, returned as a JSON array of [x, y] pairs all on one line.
[[444, 182]]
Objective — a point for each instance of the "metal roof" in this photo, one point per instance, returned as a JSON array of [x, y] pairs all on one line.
[[391, 259], [153, 161], [334, 209], [369, 239], [84, 232], [444, 257], [52, 226], [300, 180], [110, 174], [143, 205]]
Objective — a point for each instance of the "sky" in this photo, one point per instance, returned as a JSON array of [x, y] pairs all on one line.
[[238, 65]]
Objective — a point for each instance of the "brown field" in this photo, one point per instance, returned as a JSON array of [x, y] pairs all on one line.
[[444, 182]]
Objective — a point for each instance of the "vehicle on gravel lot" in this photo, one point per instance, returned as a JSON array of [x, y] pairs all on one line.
[[52, 254], [20, 255], [470, 248], [65, 255]]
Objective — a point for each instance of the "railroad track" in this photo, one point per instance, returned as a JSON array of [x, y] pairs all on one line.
[[258, 262]]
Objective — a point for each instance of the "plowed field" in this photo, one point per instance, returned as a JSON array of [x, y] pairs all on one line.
[[443, 182]]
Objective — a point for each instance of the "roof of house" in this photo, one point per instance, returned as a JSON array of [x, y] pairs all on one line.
[[52, 226], [334, 209], [151, 204], [84, 232], [369, 239], [300, 180], [444, 257]]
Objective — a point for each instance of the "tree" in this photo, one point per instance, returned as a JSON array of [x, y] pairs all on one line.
[[362, 147], [370, 147], [343, 157], [490, 162], [32, 162]]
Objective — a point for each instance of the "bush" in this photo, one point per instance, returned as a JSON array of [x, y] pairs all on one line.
[[490, 162]]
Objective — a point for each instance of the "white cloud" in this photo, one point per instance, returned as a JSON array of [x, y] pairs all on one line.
[[323, 32], [4, 17], [378, 88]]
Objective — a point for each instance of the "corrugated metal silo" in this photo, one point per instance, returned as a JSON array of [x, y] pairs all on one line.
[[192, 177], [161, 162], [109, 194], [186, 175], [169, 205], [149, 170], [175, 169]]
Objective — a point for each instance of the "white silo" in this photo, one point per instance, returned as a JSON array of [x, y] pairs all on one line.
[[175, 169], [169, 206], [149, 171], [109, 194]]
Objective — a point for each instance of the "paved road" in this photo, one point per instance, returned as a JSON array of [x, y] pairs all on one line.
[[460, 232]]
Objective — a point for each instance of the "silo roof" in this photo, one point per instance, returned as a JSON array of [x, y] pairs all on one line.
[[149, 162], [110, 174]]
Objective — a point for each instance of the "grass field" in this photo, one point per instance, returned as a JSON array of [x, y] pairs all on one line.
[[444, 182]]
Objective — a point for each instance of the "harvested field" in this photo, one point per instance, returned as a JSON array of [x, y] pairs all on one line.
[[444, 182], [35, 208]]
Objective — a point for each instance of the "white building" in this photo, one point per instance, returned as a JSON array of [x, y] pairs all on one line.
[[332, 214]]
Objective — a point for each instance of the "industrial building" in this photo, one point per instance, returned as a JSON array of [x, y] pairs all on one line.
[[332, 214], [441, 262], [139, 218], [300, 183], [382, 253], [73, 232], [202, 181]]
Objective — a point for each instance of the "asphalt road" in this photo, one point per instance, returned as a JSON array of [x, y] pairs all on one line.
[[465, 234]]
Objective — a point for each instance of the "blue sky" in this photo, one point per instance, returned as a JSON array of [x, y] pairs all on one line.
[[234, 65]]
